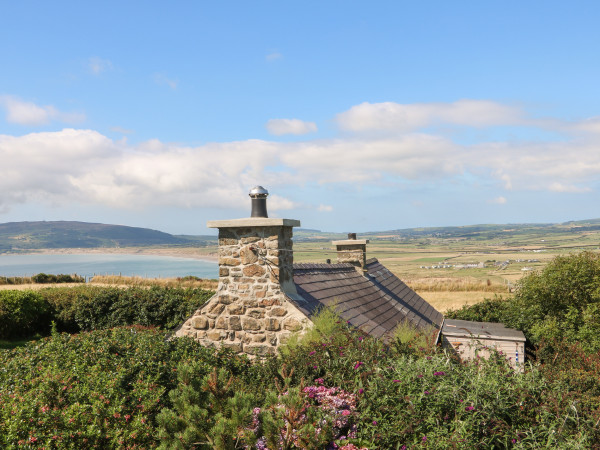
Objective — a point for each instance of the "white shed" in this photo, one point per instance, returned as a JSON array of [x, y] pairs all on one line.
[[471, 339]]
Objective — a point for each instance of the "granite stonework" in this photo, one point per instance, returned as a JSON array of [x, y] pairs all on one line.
[[251, 311]]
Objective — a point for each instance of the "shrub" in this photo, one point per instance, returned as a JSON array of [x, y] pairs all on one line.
[[489, 310], [42, 278], [23, 313], [101, 389]]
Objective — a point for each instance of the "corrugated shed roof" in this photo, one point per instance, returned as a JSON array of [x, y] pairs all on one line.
[[483, 330], [376, 302]]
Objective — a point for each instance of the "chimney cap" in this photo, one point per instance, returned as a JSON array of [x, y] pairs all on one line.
[[258, 192]]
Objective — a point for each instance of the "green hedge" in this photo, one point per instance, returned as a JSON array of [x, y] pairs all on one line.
[[23, 313], [84, 308]]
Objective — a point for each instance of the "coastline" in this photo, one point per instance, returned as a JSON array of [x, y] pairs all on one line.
[[183, 252]]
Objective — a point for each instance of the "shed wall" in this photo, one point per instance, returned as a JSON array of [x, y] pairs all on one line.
[[468, 348]]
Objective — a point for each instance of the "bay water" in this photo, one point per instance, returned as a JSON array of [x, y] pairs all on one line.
[[88, 265]]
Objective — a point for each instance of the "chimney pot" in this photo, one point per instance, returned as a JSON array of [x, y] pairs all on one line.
[[259, 194], [352, 236]]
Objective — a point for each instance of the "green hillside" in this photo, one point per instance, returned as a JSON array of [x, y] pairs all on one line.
[[15, 236]]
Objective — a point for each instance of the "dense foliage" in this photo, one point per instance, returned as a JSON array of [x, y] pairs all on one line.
[[561, 301], [93, 390], [84, 308], [132, 388]]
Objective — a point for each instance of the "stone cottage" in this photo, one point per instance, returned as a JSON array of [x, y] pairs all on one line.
[[263, 297]]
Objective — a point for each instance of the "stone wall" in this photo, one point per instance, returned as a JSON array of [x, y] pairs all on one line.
[[352, 251], [250, 313]]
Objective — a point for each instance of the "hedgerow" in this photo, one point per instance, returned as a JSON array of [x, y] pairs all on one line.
[[85, 308]]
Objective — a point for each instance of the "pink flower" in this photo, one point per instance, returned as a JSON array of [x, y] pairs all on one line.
[[357, 365], [396, 381], [312, 353], [361, 390], [469, 408], [346, 412]]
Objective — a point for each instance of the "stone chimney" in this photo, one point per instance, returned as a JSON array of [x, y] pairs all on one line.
[[251, 311], [353, 251]]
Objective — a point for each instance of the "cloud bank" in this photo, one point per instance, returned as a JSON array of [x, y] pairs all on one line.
[[85, 166], [402, 118], [279, 127]]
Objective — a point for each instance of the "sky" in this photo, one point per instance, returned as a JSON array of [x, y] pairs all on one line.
[[356, 116]]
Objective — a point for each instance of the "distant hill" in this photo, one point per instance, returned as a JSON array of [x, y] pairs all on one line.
[[29, 235], [505, 233], [18, 236]]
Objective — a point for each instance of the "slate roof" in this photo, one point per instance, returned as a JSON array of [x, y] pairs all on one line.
[[375, 302]]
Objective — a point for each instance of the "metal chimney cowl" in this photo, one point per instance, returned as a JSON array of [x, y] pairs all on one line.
[[259, 194]]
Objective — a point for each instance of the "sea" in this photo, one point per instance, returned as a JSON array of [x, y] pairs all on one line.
[[88, 265]]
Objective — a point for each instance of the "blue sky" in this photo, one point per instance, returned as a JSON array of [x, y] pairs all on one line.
[[356, 116]]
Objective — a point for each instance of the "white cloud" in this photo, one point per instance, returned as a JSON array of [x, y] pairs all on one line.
[[278, 203], [590, 125], [28, 113], [121, 130], [279, 127], [325, 208], [162, 79], [98, 65], [412, 157], [559, 187], [273, 56], [550, 166], [498, 200], [398, 117]]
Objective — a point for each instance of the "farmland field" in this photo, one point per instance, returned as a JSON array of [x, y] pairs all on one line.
[[454, 266], [448, 266]]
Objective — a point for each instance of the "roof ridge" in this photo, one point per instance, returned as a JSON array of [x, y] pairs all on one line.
[[309, 266]]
